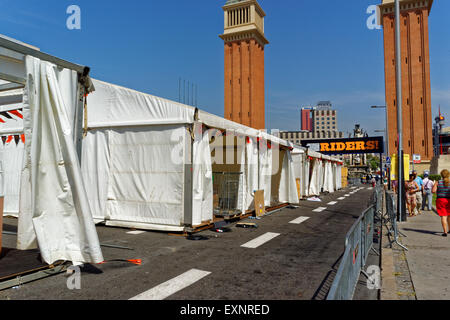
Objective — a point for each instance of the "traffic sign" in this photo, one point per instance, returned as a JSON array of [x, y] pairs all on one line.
[[388, 160]]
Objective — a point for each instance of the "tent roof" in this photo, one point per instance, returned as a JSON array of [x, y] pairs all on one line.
[[116, 106]]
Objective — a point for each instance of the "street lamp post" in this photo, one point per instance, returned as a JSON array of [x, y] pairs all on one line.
[[386, 137], [398, 53], [386, 131]]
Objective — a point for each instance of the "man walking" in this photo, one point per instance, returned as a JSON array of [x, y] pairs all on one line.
[[419, 200], [427, 194]]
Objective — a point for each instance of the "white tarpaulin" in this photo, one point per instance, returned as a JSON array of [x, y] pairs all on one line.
[[12, 150], [95, 168], [251, 172], [338, 177], [306, 177], [298, 163], [314, 185], [328, 184], [146, 175], [202, 177], [265, 171], [242, 190], [288, 186], [115, 106], [2, 180], [53, 199]]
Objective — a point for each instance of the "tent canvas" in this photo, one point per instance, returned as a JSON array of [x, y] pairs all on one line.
[[53, 211], [124, 124]]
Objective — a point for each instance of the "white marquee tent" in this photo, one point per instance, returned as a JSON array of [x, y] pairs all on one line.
[[140, 149]]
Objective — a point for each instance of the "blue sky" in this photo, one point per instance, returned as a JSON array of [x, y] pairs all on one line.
[[319, 50]]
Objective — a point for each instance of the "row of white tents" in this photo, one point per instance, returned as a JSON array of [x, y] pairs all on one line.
[[130, 160]]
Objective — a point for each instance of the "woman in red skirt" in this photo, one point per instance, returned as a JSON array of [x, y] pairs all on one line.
[[442, 188]]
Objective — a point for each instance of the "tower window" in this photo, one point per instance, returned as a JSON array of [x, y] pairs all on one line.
[[394, 103], [420, 58], [421, 100], [423, 143], [406, 60], [409, 143]]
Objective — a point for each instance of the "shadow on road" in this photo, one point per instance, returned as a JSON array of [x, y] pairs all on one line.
[[327, 282]]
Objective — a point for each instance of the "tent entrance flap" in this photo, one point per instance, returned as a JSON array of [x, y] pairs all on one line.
[[228, 154], [226, 193]]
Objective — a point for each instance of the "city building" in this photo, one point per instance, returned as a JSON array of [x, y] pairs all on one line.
[[244, 62], [324, 117], [441, 137], [318, 122], [298, 136], [307, 119], [415, 65]]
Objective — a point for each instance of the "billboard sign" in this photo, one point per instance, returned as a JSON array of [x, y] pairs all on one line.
[[348, 146]]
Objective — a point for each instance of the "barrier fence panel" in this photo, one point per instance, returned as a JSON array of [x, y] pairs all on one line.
[[358, 243], [390, 219]]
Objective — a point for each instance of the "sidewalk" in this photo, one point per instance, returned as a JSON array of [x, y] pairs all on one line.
[[428, 256], [422, 272]]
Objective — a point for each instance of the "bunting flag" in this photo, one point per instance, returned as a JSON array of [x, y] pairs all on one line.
[[16, 113], [17, 138], [2, 121]]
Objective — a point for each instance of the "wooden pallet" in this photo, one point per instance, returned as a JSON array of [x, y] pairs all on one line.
[[210, 224], [18, 267]]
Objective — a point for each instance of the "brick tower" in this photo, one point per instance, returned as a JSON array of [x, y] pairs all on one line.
[[244, 62], [416, 88]]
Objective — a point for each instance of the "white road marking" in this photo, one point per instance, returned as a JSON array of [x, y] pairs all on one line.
[[341, 198], [370, 188], [255, 243], [136, 232], [332, 203], [299, 220], [347, 195], [172, 286], [320, 209]]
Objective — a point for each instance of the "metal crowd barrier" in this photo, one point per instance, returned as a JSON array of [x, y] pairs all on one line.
[[358, 243], [390, 219]]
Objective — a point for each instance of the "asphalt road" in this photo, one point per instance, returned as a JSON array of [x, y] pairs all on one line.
[[297, 263]]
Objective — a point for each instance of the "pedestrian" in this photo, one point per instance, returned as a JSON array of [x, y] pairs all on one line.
[[442, 189], [427, 194], [419, 198], [411, 189], [395, 186], [374, 182]]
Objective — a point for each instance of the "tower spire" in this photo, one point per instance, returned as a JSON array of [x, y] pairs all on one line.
[[244, 41]]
